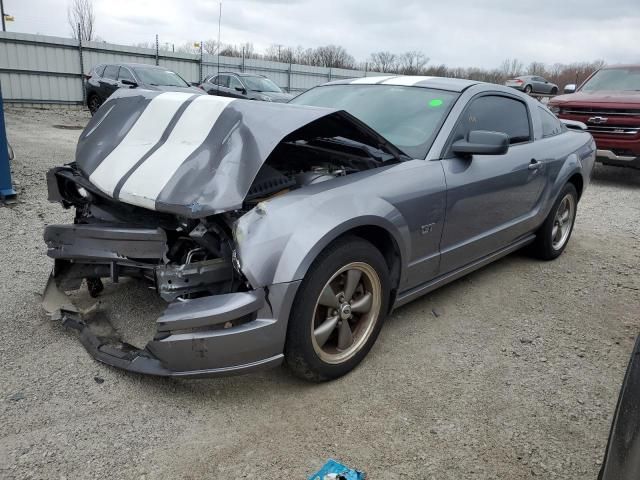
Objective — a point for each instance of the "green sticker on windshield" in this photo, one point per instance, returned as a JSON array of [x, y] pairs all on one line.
[[436, 102]]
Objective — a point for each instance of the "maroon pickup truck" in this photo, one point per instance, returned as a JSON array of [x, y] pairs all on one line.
[[608, 102]]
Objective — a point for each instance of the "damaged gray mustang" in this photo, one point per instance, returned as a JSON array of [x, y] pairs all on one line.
[[288, 232]]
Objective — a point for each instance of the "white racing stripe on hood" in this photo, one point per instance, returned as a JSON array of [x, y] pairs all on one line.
[[371, 80], [143, 135], [408, 80], [147, 181]]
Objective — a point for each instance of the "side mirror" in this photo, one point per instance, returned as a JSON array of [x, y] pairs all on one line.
[[570, 88], [131, 83], [482, 142], [240, 89]]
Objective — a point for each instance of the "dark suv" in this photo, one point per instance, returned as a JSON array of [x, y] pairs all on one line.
[[105, 79], [244, 85]]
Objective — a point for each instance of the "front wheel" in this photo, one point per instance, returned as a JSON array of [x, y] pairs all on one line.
[[94, 104], [554, 234], [338, 311], [528, 89]]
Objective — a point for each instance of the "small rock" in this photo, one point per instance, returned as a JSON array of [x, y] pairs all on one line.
[[99, 380], [526, 340], [433, 431], [21, 232], [436, 312], [16, 397], [543, 359]]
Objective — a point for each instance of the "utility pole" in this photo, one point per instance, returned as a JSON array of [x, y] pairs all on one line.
[[4, 27], [219, 26]]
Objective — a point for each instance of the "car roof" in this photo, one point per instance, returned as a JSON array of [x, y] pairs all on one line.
[[611, 67], [132, 65], [441, 83]]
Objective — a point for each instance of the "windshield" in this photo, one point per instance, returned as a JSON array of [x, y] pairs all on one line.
[[261, 84], [409, 117], [614, 79], [157, 77]]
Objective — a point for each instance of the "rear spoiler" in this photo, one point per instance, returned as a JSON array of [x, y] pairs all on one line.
[[574, 125]]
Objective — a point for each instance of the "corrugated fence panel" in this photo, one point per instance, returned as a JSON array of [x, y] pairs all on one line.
[[43, 69]]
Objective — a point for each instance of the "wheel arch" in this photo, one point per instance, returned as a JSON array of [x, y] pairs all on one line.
[[385, 242], [578, 182]]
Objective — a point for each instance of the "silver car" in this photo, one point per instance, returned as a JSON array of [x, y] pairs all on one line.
[[532, 84], [288, 232]]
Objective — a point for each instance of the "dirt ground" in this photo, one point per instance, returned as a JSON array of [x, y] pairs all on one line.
[[512, 372]]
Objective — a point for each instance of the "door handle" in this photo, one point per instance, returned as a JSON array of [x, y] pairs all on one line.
[[535, 164]]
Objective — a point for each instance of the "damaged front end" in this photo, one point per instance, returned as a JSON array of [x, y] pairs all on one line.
[[215, 323], [159, 183]]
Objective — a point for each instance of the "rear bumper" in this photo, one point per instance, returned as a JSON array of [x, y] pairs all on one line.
[[194, 337], [608, 157]]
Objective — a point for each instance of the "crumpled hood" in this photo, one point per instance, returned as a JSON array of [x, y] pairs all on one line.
[[192, 155]]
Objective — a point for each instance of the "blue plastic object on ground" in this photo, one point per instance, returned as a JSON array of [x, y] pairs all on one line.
[[333, 470], [6, 187]]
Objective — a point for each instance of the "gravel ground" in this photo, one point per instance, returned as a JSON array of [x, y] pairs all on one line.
[[512, 372]]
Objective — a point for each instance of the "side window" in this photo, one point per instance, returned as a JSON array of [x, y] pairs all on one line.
[[223, 80], [125, 74], [97, 71], [111, 71], [551, 126], [496, 114], [235, 83]]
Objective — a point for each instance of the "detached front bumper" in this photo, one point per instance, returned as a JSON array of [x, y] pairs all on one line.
[[191, 338]]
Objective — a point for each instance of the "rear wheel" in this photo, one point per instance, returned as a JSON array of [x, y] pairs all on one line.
[[554, 234], [94, 104], [338, 312], [528, 89]]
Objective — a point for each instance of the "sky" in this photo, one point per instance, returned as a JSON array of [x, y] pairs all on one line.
[[460, 33]]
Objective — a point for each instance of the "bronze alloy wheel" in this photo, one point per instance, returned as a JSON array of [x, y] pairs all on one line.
[[346, 312], [563, 222]]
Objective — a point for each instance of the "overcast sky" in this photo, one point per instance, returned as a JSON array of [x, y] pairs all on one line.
[[455, 32]]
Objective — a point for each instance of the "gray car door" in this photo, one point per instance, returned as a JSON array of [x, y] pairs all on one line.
[[223, 86], [236, 87], [491, 199]]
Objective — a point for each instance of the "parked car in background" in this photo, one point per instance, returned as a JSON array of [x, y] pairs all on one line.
[[289, 231], [608, 102], [102, 80], [532, 84], [244, 85]]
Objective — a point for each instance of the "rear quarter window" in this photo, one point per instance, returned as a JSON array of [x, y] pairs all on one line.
[[111, 71], [551, 126]]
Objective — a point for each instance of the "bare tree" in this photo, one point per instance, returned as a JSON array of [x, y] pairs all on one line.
[[385, 62], [80, 12], [511, 68], [210, 46], [413, 62]]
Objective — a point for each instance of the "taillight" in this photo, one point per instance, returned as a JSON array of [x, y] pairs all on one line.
[[518, 81]]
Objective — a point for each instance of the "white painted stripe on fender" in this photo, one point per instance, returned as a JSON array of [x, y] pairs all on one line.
[[143, 135], [408, 80], [147, 181], [371, 80]]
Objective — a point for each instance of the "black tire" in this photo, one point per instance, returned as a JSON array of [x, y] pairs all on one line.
[[93, 103], [528, 89], [554, 91], [300, 351], [544, 246]]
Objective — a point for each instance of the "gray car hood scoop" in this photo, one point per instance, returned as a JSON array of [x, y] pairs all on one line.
[[192, 155]]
